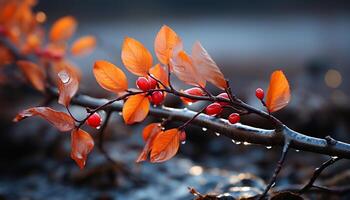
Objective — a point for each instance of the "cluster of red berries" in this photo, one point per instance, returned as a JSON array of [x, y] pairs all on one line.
[[49, 54], [146, 84], [216, 108]]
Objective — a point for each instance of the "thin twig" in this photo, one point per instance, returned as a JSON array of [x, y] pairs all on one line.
[[317, 173], [277, 170]]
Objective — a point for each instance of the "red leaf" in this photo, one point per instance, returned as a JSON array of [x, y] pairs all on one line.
[[164, 43], [183, 67], [148, 134], [136, 58], [83, 45], [34, 74], [165, 145], [82, 144], [135, 109], [208, 68], [278, 94], [60, 120], [110, 77], [67, 84], [63, 29]]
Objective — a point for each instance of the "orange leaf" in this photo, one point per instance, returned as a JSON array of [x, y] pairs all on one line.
[[136, 58], [82, 144], [34, 74], [83, 45], [60, 120], [135, 109], [148, 134], [165, 145], [63, 29], [159, 73], [110, 77], [208, 68], [164, 43], [183, 67], [278, 94], [67, 84]]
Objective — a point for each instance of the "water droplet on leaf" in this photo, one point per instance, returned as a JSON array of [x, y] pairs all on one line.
[[64, 76]]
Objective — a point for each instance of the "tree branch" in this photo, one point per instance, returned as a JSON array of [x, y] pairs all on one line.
[[238, 132]]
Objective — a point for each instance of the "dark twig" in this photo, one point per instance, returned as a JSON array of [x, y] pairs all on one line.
[[277, 170], [317, 173]]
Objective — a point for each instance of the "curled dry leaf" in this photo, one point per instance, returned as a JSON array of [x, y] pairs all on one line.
[[164, 43], [136, 58], [60, 120], [82, 144], [135, 108], [207, 67], [165, 145], [148, 134], [83, 45], [63, 29], [159, 72], [110, 77], [67, 83], [278, 93], [34, 74], [183, 67]]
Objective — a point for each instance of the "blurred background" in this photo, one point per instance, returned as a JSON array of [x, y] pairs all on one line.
[[308, 40]]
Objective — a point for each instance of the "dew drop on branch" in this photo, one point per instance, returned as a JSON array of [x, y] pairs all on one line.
[[246, 143], [185, 109], [233, 141], [183, 142], [238, 142], [204, 129], [217, 134], [297, 150], [268, 147], [63, 76]]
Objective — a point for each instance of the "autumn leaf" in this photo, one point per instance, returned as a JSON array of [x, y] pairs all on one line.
[[136, 58], [110, 77], [81, 144], [164, 43], [63, 29], [60, 120], [67, 83], [148, 134], [135, 108], [165, 145], [159, 73], [83, 45], [207, 67], [34, 74], [278, 93], [183, 67]]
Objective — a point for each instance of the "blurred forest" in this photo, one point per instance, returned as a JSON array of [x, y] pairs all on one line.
[[309, 40]]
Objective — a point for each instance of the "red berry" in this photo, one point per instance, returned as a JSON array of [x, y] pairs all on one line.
[[225, 96], [259, 93], [152, 83], [234, 118], [157, 97], [182, 136], [94, 120], [213, 109], [192, 91], [143, 83]]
